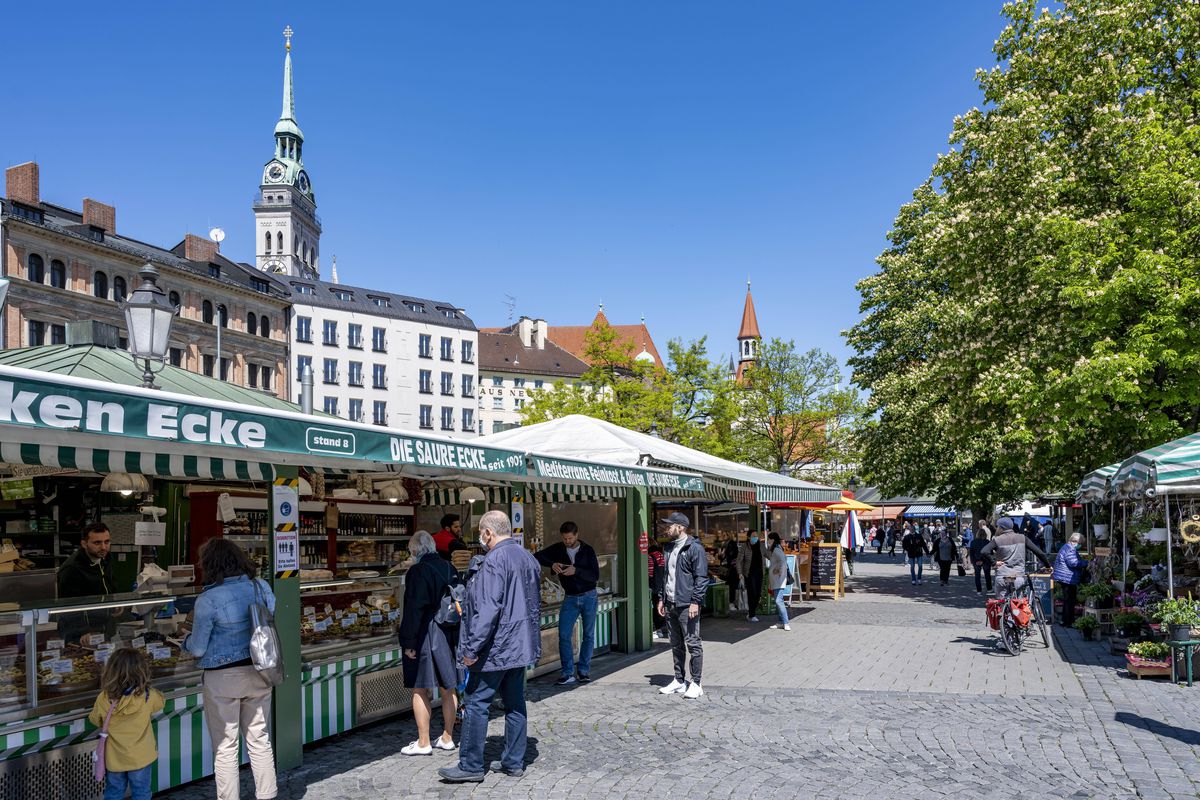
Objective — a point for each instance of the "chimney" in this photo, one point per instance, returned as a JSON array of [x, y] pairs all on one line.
[[525, 330], [21, 183], [99, 215], [197, 248], [539, 334]]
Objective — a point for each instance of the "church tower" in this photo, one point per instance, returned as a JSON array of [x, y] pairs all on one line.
[[748, 336], [288, 230]]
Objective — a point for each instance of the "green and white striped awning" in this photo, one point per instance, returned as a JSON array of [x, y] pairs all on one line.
[[575, 493], [442, 497], [1174, 466], [102, 461], [1095, 485], [766, 493]]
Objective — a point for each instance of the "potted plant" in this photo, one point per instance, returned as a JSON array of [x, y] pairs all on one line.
[[1129, 621], [1150, 651], [1087, 626], [1098, 595], [1148, 659], [1178, 615]]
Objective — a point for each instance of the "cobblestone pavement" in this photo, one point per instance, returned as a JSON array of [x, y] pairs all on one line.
[[895, 691]]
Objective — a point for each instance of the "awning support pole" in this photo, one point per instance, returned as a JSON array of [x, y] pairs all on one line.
[[289, 725]]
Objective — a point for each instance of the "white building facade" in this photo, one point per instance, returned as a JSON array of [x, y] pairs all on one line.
[[515, 362]]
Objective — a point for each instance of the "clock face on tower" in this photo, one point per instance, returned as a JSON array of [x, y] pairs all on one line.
[[275, 173], [274, 266], [302, 182]]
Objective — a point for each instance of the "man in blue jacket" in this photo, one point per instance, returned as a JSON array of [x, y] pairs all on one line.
[[500, 637], [1068, 568], [683, 594], [574, 562]]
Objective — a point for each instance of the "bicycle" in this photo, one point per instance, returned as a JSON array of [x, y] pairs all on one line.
[[1013, 634]]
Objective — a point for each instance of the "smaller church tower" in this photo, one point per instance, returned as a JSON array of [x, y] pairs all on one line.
[[287, 228], [748, 336]]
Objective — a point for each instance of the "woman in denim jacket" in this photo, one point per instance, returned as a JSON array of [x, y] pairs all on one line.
[[236, 699]]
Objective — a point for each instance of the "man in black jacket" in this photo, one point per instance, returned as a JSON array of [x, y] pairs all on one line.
[[574, 562], [915, 549], [86, 574], [683, 594]]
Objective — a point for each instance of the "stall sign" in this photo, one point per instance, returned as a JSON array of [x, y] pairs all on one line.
[[149, 533], [285, 495], [518, 522], [658, 481], [644, 543], [117, 411], [17, 489]]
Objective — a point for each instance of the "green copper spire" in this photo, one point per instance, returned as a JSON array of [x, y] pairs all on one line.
[[287, 118]]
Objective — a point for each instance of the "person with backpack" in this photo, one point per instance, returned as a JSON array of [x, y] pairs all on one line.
[[780, 580], [574, 562], [428, 643]]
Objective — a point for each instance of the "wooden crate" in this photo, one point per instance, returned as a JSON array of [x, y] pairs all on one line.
[[1150, 669]]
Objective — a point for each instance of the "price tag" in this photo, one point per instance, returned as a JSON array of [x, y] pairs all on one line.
[[93, 639], [356, 605], [102, 656], [376, 618], [321, 626], [353, 618], [392, 615], [338, 614], [346, 623], [311, 616], [50, 655], [105, 646], [139, 643], [328, 608], [61, 666], [55, 644], [309, 611], [158, 653]]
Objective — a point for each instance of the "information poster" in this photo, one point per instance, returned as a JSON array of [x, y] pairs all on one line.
[[285, 496], [518, 522]]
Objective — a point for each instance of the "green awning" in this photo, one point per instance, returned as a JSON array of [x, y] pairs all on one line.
[[440, 498], [576, 493], [87, 459]]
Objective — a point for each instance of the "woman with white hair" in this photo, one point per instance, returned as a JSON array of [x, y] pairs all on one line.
[[429, 661], [1068, 568]]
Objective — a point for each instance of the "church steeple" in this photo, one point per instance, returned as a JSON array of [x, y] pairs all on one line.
[[286, 209], [748, 335]]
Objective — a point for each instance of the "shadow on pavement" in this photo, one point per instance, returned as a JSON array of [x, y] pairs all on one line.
[[1159, 728], [988, 645]]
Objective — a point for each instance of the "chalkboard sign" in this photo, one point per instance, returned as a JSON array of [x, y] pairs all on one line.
[[824, 567]]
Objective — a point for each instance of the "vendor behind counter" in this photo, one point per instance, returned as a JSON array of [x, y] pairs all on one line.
[[87, 574]]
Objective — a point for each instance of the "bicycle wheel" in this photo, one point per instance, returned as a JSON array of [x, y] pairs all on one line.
[[1041, 624], [1010, 632]]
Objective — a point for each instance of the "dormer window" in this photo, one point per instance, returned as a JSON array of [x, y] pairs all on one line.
[[448, 313], [417, 308], [382, 302], [341, 294], [214, 271], [259, 285], [303, 288]]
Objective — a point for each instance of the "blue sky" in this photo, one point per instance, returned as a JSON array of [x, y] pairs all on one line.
[[648, 155]]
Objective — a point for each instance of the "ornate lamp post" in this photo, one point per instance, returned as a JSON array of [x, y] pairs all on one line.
[[148, 317]]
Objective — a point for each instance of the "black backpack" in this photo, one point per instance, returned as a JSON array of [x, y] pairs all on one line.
[[449, 612]]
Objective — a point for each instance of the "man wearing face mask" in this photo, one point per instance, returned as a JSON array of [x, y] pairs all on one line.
[[499, 638], [683, 594], [751, 558]]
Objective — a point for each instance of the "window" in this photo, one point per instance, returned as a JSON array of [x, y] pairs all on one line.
[[259, 285], [498, 403], [342, 294], [100, 285], [303, 329], [331, 370], [447, 349], [355, 410], [468, 419], [448, 383], [538, 383], [223, 316], [94, 233], [425, 382], [416, 308], [382, 302], [251, 322], [37, 268], [173, 298], [302, 363], [426, 417], [58, 334], [206, 313], [468, 385], [265, 378], [214, 271], [355, 377], [225, 369], [176, 357], [119, 290], [447, 418], [37, 333], [378, 342], [208, 365], [497, 426], [303, 288], [354, 336], [31, 214], [380, 415], [331, 405], [279, 241], [329, 332], [58, 274], [448, 313], [497, 380], [378, 376], [264, 326], [252, 375], [468, 351], [267, 249], [425, 346], [518, 383]]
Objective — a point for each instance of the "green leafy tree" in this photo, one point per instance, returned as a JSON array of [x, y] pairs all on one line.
[[1032, 317]]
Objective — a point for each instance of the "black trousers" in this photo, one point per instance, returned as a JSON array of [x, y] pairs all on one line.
[[731, 578], [685, 639], [1070, 591], [984, 567], [753, 593], [944, 570]]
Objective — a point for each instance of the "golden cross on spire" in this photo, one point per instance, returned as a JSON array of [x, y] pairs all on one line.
[[287, 34]]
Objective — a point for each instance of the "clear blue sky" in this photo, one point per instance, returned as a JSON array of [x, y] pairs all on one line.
[[648, 154]]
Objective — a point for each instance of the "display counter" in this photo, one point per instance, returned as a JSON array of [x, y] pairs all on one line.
[[552, 598]]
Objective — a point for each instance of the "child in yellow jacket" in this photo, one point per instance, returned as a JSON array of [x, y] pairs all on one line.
[[130, 751]]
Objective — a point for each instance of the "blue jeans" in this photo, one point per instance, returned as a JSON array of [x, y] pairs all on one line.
[[916, 567], [138, 782], [574, 607], [780, 594], [482, 687]]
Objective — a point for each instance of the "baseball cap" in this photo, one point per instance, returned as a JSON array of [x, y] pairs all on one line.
[[676, 518], [1005, 524]]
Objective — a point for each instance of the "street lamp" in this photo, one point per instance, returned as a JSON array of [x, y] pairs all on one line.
[[148, 317]]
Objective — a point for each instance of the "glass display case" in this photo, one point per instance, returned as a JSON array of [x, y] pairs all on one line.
[[340, 616], [552, 591]]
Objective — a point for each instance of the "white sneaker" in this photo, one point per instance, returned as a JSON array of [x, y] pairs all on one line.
[[674, 687], [441, 744], [415, 749], [787, 627], [754, 619], [693, 691]]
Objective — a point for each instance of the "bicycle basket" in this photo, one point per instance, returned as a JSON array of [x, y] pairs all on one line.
[[995, 607], [1022, 613]]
